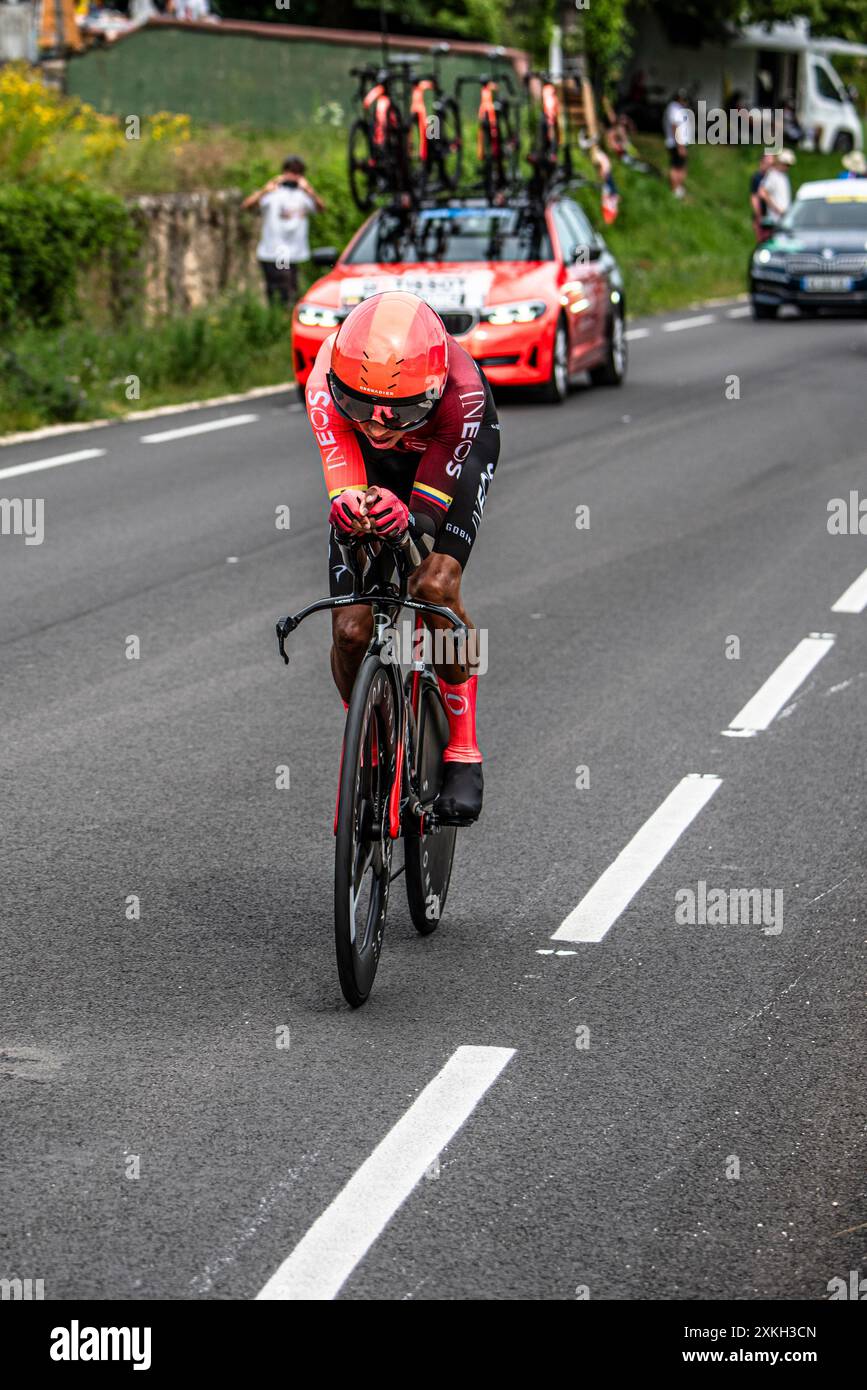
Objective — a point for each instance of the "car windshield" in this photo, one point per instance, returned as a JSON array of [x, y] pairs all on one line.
[[454, 234], [843, 213]]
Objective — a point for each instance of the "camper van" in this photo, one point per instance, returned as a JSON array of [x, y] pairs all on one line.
[[761, 68]]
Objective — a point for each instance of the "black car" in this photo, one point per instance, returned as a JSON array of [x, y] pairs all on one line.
[[817, 256]]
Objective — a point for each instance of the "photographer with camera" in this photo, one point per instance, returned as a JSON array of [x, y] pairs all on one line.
[[286, 203]]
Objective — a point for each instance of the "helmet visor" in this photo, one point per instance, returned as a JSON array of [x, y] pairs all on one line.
[[406, 414]]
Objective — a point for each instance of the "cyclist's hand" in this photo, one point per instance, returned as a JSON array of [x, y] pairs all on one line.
[[348, 512], [390, 516]]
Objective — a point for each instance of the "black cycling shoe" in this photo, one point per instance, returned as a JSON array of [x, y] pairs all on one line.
[[460, 797]]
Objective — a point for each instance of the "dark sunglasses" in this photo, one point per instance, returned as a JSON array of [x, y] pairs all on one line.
[[406, 414]]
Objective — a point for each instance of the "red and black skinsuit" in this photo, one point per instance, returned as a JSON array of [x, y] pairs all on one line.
[[442, 471]]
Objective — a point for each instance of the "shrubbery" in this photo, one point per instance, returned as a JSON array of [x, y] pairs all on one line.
[[78, 372], [48, 235]]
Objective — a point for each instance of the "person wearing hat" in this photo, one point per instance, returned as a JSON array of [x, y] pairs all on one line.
[[775, 188], [854, 166], [757, 202]]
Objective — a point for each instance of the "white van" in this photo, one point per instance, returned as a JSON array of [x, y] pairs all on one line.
[[765, 67], [824, 107]]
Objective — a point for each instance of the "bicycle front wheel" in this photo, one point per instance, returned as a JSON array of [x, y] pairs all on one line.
[[362, 863]]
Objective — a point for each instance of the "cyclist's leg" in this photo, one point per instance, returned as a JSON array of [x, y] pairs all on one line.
[[438, 580], [351, 627]]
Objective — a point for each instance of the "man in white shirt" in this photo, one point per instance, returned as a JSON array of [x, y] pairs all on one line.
[[775, 188], [286, 203], [675, 126]]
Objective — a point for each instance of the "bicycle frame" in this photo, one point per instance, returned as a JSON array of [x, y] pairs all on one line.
[[378, 590], [418, 109]]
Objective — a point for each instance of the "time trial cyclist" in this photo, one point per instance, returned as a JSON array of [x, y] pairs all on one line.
[[408, 433]]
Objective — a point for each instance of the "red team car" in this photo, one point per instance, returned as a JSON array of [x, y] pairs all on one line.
[[531, 292]]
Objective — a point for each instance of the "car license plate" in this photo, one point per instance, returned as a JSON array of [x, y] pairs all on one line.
[[830, 284], [444, 292]]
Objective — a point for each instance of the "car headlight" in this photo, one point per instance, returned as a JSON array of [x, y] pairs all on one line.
[[769, 260], [524, 312], [319, 316]]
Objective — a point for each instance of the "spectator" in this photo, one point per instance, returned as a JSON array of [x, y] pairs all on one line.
[[854, 166], [793, 131], [286, 202], [609, 190], [675, 125], [775, 188], [757, 199], [192, 10]]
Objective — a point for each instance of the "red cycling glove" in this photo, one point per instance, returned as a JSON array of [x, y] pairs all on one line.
[[389, 515], [347, 508]]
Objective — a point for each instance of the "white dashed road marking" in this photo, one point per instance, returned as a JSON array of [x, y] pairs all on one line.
[[854, 600], [324, 1259], [779, 688], [230, 421], [57, 462], [675, 325], [599, 909]]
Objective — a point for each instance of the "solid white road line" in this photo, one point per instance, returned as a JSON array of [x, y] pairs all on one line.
[[57, 462], [854, 600], [675, 325], [326, 1256], [779, 688], [50, 431], [743, 311], [633, 333], [599, 909], [165, 436]]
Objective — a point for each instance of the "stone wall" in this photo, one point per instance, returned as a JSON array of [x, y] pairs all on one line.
[[195, 247]]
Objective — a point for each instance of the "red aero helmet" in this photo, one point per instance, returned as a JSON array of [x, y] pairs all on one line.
[[392, 347]]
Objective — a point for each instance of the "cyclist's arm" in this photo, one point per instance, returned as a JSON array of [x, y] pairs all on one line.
[[342, 460]]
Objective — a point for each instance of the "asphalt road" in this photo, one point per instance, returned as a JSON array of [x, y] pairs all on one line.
[[150, 1046]]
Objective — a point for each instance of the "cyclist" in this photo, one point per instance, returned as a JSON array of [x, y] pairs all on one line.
[[408, 432]]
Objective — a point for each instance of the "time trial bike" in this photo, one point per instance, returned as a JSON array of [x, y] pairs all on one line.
[[391, 769]]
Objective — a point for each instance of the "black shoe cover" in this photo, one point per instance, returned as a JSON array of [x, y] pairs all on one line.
[[460, 798]]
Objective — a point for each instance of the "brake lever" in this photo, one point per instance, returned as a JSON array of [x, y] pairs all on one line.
[[284, 627]]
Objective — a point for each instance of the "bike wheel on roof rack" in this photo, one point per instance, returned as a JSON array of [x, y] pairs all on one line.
[[449, 145], [362, 166]]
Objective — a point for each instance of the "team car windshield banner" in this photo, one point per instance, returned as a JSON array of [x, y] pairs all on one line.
[[442, 292]]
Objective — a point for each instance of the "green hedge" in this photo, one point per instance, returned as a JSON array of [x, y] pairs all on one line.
[[81, 372], [48, 235]]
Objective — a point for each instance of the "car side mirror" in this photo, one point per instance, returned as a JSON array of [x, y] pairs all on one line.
[[324, 255]]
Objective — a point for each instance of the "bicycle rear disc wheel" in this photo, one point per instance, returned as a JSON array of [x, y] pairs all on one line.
[[362, 860], [429, 857]]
